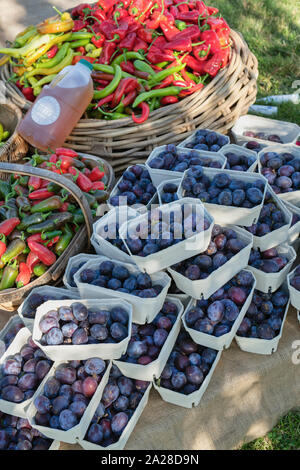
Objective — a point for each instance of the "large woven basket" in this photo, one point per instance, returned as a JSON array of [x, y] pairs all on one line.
[[217, 106], [15, 148]]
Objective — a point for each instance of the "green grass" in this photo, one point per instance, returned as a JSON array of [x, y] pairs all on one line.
[[272, 31], [285, 436]]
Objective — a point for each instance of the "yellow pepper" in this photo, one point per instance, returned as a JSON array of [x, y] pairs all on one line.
[[46, 47]]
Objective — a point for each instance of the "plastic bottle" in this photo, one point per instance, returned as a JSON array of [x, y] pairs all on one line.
[[279, 99], [266, 110], [59, 107]]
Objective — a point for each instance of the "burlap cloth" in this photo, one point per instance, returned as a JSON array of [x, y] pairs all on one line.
[[244, 400]]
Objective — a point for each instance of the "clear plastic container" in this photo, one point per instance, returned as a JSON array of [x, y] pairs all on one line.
[[59, 107]]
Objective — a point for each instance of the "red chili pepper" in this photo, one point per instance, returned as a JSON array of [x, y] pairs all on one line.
[[164, 83], [64, 162], [24, 275], [40, 194], [106, 4], [194, 64], [44, 184], [64, 207], [186, 78], [192, 32], [105, 100], [211, 39], [191, 16], [86, 172], [53, 158], [140, 44], [129, 67], [155, 56], [67, 152], [9, 225], [128, 42], [125, 85], [201, 53], [98, 41], [52, 242], [2, 245], [96, 174], [78, 25], [181, 44], [212, 10], [34, 183], [35, 238], [28, 93], [82, 181], [98, 185], [168, 100], [145, 34], [31, 260], [218, 60], [81, 50], [144, 116], [180, 83], [192, 90], [216, 23], [107, 51], [46, 256], [169, 30], [129, 99], [52, 52], [77, 58]]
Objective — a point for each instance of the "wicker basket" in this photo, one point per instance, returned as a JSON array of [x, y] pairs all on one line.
[[10, 298], [15, 148], [217, 106]]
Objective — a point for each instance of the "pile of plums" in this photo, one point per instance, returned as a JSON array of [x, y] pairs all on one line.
[[222, 189], [173, 159], [270, 218], [17, 434], [255, 146], [187, 365], [9, 336], [265, 315], [68, 392], [163, 229], [295, 280], [263, 136], [117, 277], [282, 170], [216, 315], [76, 325], [120, 399], [22, 373], [35, 300], [238, 162], [269, 261], [136, 186], [113, 236], [147, 341], [72, 273], [208, 141], [223, 246], [169, 193]]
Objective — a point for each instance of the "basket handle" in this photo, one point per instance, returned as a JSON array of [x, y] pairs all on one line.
[[27, 170]]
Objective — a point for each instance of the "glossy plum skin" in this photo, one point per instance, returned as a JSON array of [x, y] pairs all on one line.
[[67, 394], [17, 434], [168, 193], [265, 315], [282, 169], [223, 246], [120, 398], [88, 326], [271, 218], [207, 140], [34, 300], [187, 365], [238, 162], [269, 261], [135, 187], [217, 315]]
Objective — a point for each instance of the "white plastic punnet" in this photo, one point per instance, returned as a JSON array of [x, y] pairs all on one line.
[[222, 342], [204, 288], [294, 293], [294, 230], [276, 237], [160, 176], [56, 292], [184, 298], [104, 247], [224, 214], [270, 282], [294, 196], [72, 435], [15, 409], [236, 149], [155, 368], [161, 186], [287, 131], [69, 352], [175, 253], [189, 140], [10, 324], [188, 401], [120, 444], [143, 310], [75, 262], [262, 346]]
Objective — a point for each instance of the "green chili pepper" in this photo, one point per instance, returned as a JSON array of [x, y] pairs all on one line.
[[12, 210], [9, 276], [78, 217], [114, 116], [38, 159], [64, 240], [181, 25], [50, 235], [16, 247], [90, 199], [128, 56], [111, 86], [50, 204], [79, 43], [54, 222], [101, 196], [5, 135], [39, 270], [23, 203], [44, 80], [80, 35], [143, 67], [147, 95], [3, 213], [5, 189], [53, 187], [26, 251], [57, 68], [160, 76], [28, 34], [32, 219]]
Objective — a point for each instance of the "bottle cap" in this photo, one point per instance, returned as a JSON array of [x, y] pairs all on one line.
[[86, 63]]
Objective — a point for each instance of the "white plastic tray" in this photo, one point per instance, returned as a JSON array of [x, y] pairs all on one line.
[[143, 310], [14, 319], [223, 342], [161, 185], [204, 288], [190, 139], [261, 346], [276, 237], [175, 253], [159, 176], [224, 214], [74, 262], [294, 230], [242, 151], [72, 435], [270, 282], [69, 352], [103, 246], [120, 444], [155, 368], [294, 196], [294, 293], [287, 131], [47, 290], [188, 401], [184, 298]]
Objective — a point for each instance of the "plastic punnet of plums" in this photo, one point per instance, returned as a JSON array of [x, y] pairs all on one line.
[[7, 338], [169, 192], [295, 279], [147, 340], [72, 273], [17, 434], [77, 325], [120, 399], [269, 261], [187, 366], [238, 161], [282, 170], [217, 315], [208, 141], [22, 373], [265, 315], [35, 299], [224, 245], [135, 187], [263, 136], [67, 394]]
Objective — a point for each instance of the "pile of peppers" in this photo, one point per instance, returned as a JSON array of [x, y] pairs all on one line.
[[146, 53], [38, 218]]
